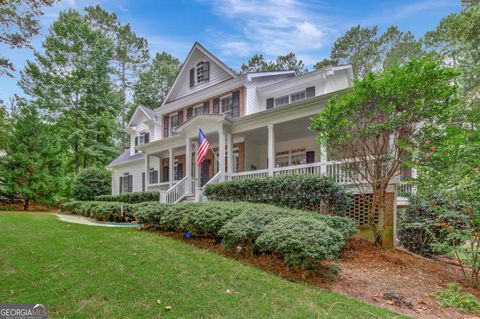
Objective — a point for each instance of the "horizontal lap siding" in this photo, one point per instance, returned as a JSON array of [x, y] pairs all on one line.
[[135, 169]]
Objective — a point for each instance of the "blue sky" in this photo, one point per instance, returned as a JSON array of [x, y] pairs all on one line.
[[234, 30]]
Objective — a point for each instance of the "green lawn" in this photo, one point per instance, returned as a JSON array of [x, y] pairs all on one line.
[[95, 272]]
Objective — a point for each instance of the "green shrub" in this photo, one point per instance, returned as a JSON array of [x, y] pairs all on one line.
[[245, 228], [306, 192], [91, 182], [131, 198], [104, 211], [346, 226], [452, 297], [302, 241], [205, 220]]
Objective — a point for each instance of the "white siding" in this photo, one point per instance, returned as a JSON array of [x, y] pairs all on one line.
[[135, 168], [217, 75], [252, 101]]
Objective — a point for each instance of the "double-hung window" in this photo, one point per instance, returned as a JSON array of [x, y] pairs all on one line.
[[153, 176], [198, 109], [297, 96], [226, 104], [282, 100], [141, 138], [174, 121]]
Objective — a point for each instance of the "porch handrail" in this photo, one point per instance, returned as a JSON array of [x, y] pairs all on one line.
[[301, 168], [248, 173], [175, 193], [212, 180]]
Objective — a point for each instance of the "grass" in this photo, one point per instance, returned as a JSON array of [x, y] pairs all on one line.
[[453, 297], [82, 271]]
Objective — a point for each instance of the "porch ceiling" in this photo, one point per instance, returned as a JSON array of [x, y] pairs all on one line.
[[289, 130]]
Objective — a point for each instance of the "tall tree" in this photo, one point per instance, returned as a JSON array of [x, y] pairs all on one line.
[[367, 50], [130, 58], [71, 81], [18, 24], [154, 83], [3, 126], [257, 63], [32, 167], [380, 123]]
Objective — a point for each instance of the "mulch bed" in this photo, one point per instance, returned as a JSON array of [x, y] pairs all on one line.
[[387, 278]]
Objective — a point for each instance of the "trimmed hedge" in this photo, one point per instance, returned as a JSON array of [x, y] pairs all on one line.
[[306, 192], [302, 238], [104, 211], [131, 198], [91, 182], [302, 241]]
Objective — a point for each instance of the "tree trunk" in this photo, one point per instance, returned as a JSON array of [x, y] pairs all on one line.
[[26, 204]]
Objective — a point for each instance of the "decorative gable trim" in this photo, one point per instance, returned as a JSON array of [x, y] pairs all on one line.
[[150, 114], [210, 56]]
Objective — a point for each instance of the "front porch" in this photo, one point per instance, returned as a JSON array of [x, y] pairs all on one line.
[[237, 152]]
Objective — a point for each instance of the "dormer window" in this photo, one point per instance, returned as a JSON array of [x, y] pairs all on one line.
[[200, 73], [142, 138]]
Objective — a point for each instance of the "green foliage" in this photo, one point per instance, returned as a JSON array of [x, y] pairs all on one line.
[[153, 84], [104, 211], [453, 297], [307, 192], [346, 226], [81, 103], [91, 182], [245, 228], [132, 198], [286, 62], [32, 167], [382, 121], [302, 241], [368, 51], [18, 24]]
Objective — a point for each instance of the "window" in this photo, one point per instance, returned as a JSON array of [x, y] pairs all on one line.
[[177, 170], [153, 176], [174, 121], [297, 96], [126, 183], [226, 104], [289, 158], [198, 109], [203, 71], [279, 101], [141, 139]]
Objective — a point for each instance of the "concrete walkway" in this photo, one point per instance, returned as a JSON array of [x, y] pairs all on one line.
[[91, 222]]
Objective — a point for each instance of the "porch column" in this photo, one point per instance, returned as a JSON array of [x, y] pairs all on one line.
[[197, 168], [323, 160], [229, 153], [188, 164], [271, 149], [221, 153], [147, 170], [170, 167]]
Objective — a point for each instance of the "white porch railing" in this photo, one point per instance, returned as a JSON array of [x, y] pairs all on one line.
[[163, 186], [313, 168], [176, 193], [199, 190], [249, 174]]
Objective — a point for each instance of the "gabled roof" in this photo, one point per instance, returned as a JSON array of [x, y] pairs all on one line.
[[149, 113], [210, 56]]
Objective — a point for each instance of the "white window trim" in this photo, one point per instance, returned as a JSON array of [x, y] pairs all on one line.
[[195, 67], [197, 107], [141, 138], [298, 92], [171, 128], [221, 105], [279, 97], [290, 154]]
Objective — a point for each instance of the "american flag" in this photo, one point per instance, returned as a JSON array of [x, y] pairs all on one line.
[[203, 147]]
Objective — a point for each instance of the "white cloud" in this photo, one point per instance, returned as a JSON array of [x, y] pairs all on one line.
[[273, 27]]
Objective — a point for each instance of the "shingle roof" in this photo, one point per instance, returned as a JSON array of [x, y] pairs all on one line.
[[125, 157], [149, 111]]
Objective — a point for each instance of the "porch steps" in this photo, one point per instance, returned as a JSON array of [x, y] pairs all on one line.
[[189, 199]]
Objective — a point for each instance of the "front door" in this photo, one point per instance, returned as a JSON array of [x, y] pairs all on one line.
[[205, 172]]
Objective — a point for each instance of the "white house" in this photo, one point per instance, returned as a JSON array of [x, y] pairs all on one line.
[[258, 122]]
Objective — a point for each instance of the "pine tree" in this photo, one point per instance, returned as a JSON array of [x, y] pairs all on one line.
[[32, 167]]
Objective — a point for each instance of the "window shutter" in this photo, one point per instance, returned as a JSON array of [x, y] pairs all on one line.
[[216, 105], [270, 102], [120, 190], [206, 71], [206, 105], [143, 181], [192, 77], [189, 112], [147, 138], [165, 126], [236, 104], [130, 183], [155, 177], [310, 92], [180, 118], [136, 141]]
